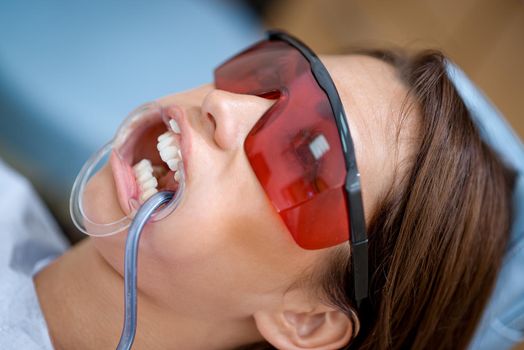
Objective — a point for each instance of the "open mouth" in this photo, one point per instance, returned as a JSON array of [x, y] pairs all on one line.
[[146, 157]]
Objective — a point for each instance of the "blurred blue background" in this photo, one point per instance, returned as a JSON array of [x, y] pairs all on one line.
[[71, 71]]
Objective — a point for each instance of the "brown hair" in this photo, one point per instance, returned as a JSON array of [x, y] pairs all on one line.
[[437, 239]]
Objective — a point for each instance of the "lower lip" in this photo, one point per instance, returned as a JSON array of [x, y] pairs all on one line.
[[125, 183]]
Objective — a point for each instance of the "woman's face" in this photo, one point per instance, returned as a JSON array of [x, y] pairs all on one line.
[[225, 249]]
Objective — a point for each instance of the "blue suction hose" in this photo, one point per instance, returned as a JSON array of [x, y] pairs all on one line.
[[130, 264]]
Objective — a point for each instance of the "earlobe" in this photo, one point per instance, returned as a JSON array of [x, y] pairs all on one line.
[[323, 328]]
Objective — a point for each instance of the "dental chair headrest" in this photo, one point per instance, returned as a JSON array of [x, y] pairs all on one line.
[[502, 325], [494, 129]]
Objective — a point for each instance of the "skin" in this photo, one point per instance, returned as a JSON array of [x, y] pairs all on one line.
[[222, 270]]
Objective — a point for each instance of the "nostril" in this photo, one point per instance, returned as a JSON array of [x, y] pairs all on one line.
[[212, 120], [271, 95]]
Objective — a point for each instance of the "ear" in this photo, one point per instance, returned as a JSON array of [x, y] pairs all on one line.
[[299, 324]]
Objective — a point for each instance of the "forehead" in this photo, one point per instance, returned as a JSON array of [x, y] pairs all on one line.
[[373, 98], [369, 88]]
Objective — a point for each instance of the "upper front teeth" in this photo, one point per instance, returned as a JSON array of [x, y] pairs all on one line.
[[170, 151], [174, 126]]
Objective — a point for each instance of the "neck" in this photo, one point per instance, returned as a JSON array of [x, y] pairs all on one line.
[[81, 297]]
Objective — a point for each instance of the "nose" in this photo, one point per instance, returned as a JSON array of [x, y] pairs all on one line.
[[234, 115]]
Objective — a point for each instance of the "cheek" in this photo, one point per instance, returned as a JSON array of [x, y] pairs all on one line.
[[212, 220], [223, 209], [228, 232]]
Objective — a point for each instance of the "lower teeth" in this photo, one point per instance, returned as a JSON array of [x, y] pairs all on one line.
[[147, 177]]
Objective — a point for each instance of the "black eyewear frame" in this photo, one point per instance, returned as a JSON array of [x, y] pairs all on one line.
[[359, 240]]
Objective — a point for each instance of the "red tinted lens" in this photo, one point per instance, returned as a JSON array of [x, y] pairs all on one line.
[[294, 149]]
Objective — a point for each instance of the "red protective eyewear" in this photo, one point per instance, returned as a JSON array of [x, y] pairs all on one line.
[[301, 149]]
